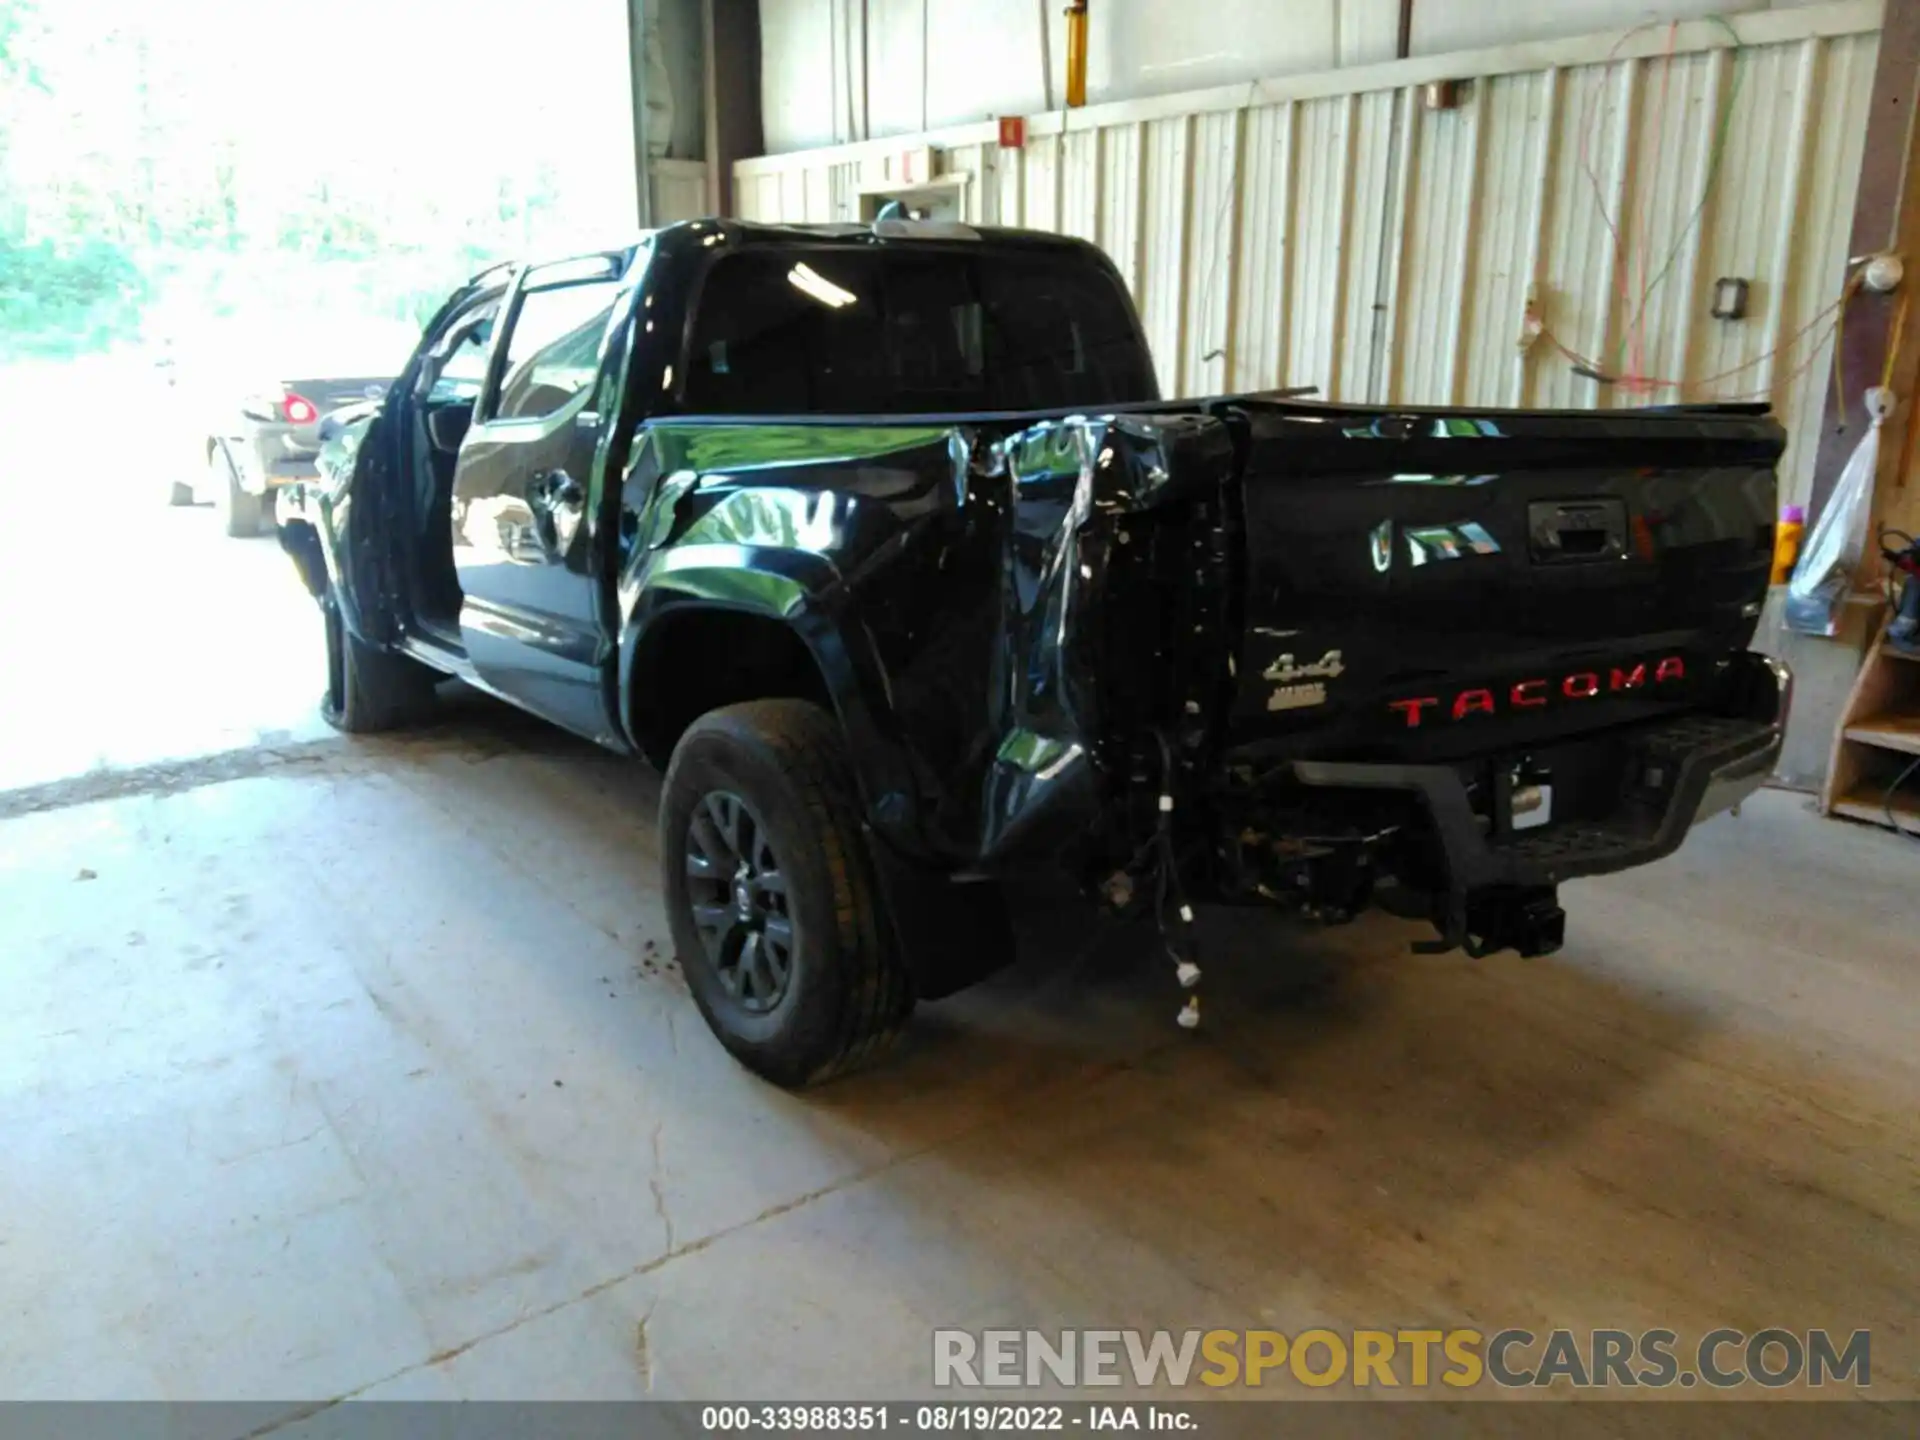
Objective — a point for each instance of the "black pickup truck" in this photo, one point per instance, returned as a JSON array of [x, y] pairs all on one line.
[[882, 544]]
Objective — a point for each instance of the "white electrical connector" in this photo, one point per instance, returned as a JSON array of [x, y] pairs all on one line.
[[1884, 273], [1187, 973], [1186, 914], [1190, 1013], [1166, 804]]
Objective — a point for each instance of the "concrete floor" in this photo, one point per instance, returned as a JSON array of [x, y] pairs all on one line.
[[339, 1069], [133, 633], [336, 1069]]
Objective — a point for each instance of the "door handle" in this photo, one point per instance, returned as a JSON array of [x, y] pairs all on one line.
[[557, 501], [562, 489], [1562, 532]]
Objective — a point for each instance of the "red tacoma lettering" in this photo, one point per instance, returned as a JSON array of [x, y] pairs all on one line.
[[1530, 692], [1412, 708]]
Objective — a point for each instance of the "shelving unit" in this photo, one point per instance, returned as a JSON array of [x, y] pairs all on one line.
[[1878, 738]]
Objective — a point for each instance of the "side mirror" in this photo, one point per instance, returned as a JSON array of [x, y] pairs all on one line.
[[447, 427]]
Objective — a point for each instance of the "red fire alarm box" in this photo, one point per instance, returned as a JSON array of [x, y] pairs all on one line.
[[1013, 132]]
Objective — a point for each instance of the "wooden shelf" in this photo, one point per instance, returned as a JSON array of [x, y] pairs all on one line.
[[1876, 741], [1888, 732], [1869, 803]]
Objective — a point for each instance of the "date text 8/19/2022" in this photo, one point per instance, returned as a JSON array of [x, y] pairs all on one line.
[[824, 1418]]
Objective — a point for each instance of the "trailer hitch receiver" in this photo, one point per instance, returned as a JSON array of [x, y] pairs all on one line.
[[1529, 922]]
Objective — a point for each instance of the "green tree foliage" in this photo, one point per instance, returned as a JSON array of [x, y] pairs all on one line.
[[150, 187], [56, 295], [56, 301]]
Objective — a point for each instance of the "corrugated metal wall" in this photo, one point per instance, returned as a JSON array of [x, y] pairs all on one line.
[[1331, 230], [679, 191]]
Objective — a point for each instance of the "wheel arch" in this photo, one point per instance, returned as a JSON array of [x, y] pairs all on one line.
[[693, 657], [777, 615], [950, 934]]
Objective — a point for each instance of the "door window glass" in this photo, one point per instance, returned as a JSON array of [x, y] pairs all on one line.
[[553, 350], [460, 369]]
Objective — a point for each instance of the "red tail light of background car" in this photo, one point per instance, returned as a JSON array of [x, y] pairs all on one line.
[[299, 410]]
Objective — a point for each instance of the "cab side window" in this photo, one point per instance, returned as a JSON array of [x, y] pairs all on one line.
[[553, 350]]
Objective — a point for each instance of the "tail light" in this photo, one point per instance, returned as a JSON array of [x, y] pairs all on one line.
[[299, 410]]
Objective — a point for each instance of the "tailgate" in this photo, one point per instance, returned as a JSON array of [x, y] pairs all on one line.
[[1422, 583]]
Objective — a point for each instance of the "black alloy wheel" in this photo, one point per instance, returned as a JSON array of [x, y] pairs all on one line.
[[778, 919], [369, 689], [739, 900]]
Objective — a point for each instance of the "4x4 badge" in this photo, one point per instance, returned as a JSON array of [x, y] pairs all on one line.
[[1284, 671]]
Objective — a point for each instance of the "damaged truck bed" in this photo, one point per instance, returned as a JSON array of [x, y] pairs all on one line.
[[881, 543]]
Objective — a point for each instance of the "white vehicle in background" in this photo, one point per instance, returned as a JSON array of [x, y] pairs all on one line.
[[247, 409]]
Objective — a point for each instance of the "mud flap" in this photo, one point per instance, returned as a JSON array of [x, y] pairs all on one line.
[[951, 933], [302, 545]]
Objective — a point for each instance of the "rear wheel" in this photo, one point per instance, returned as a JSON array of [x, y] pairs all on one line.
[[240, 512], [778, 921], [368, 689]]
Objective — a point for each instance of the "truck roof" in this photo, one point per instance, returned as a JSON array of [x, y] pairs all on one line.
[[748, 233], [754, 232]]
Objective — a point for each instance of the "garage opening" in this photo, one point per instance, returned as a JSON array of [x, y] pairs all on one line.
[[217, 229]]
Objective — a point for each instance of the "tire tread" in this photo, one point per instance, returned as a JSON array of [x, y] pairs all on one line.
[[806, 744], [383, 691]]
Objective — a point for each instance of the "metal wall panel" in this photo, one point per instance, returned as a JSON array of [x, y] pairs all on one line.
[[1040, 181], [1166, 183], [1316, 231], [1120, 198], [1366, 244], [679, 191], [1080, 184], [1332, 230], [1212, 236], [1258, 348]]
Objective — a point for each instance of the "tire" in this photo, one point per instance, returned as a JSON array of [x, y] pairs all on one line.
[[369, 690], [240, 513], [179, 493], [780, 768]]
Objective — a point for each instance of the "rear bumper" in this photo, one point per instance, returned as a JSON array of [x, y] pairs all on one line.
[[289, 470], [271, 456], [1671, 775], [290, 504]]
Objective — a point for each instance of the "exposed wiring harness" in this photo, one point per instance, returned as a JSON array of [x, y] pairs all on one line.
[[1897, 558], [1167, 885], [1893, 789], [1902, 556], [1627, 367]]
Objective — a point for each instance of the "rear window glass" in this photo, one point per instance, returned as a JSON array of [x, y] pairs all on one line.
[[849, 332]]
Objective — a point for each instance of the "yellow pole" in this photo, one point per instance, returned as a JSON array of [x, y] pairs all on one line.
[[1076, 54]]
